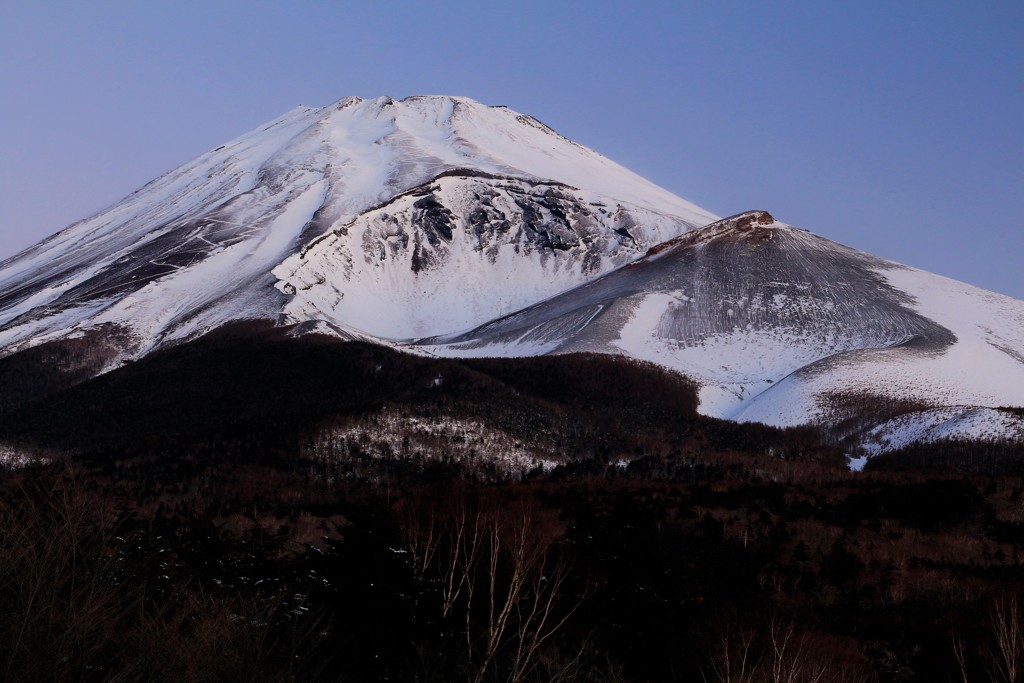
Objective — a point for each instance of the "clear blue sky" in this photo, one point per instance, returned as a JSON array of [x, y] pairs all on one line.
[[894, 127]]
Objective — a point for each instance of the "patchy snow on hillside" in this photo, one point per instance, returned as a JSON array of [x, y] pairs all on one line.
[[390, 435], [12, 458], [966, 423]]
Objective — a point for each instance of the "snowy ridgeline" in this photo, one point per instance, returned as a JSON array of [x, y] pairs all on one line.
[[390, 435]]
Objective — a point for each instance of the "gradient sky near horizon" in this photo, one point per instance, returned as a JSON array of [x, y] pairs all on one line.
[[896, 128]]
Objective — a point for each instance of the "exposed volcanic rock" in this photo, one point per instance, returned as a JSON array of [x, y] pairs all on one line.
[[462, 249]]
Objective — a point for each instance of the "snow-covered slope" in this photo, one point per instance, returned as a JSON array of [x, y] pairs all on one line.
[[984, 366], [197, 247], [781, 326]]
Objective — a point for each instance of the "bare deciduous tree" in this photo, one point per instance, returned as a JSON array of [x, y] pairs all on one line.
[[502, 579], [782, 653], [735, 661], [960, 653], [789, 658], [1005, 657]]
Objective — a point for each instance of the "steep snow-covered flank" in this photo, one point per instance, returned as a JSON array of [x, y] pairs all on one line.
[[210, 208], [773, 322], [196, 247]]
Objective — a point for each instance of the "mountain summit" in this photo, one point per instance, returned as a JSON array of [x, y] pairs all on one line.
[[445, 226]]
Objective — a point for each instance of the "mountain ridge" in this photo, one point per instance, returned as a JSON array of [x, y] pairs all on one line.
[[776, 324]]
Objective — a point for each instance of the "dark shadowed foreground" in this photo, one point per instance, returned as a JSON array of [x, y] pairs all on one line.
[[255, 506]]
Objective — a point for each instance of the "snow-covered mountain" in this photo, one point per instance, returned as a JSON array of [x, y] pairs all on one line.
[[449, 227], [380, 179]]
